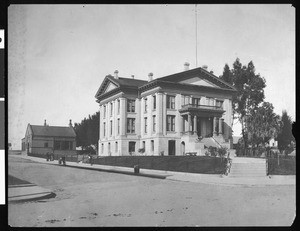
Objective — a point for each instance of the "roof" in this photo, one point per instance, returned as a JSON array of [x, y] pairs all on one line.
[[53, 131], [120, 83], [174, 80], [197, 71]]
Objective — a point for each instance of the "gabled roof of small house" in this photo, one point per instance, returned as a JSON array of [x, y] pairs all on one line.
[[53, 131]]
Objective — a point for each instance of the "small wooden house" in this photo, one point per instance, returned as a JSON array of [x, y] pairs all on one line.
[[54, 139]]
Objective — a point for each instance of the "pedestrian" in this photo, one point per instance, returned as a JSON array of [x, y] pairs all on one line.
[[47, 156], [91, 159]]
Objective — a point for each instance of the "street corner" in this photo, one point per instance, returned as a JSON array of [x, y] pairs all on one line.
[[22, 191]]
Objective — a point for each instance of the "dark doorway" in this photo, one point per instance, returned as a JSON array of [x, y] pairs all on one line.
[[171, 147], [199, 126]]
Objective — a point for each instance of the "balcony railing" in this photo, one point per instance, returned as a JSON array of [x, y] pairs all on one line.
[[202, 106]]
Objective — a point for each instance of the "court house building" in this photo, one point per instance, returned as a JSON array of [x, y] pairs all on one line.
[[177, 114]]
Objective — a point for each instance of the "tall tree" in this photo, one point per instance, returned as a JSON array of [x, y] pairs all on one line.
[[250, 91], [285, 137], [87, 131], [262, 125]]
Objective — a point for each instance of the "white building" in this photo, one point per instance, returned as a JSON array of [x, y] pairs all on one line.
[[176, 114]]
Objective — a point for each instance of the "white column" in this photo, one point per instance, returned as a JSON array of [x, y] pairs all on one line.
[[221, 125], [123, 122], [195, 125], [215, 125], [164, 115], [190, 123], [159, 113]]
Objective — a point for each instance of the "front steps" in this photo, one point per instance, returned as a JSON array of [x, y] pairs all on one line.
[[248, 167]]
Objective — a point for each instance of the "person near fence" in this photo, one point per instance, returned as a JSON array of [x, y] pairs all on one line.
[[91, 159]]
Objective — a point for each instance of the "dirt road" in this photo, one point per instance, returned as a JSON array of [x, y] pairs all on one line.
[[93, 198]]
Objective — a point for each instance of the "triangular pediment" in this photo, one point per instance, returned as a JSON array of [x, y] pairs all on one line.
[[199, 82], [110, 86]]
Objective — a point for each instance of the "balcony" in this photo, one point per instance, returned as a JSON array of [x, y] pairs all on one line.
[[202, 110]]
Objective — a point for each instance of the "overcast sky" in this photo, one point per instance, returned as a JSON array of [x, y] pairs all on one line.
[[58, 55]]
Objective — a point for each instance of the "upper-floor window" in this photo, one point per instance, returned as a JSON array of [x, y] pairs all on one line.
[[130, 105], [219, 103], [170, 123], [170, 102], [111, 128], [146, 124], [154, 123], [210, 101], [146, 104], [186, 100], [111, 109], [104, 111], [130, 125], [196, 101], [104, 129], [154, 102], [118, 105], [118, 130]]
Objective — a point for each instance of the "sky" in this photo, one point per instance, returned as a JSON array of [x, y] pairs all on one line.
[[58, 55]]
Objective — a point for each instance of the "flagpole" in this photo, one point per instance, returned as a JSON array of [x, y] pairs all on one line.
[[196, 34]]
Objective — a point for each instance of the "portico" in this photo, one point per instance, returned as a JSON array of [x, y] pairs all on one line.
[[201, 120]]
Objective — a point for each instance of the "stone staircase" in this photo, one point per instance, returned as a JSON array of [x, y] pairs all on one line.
[[248, 167]]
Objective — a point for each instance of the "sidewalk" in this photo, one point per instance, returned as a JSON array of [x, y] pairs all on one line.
[[182, 176], [21, 191]]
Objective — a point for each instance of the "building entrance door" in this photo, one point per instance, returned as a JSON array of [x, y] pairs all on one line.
[[199, 126], [171, 147]]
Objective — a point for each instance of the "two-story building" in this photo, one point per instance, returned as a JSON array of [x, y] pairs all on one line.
[[176, 114]]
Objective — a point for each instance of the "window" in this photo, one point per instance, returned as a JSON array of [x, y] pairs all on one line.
[[154, 102], [111, 128], [130, 105], [154, 123], [186, 100], [170, 102], [116, 147], [104, 129], [118, 126], [219, 103], [104, 111], [131, 146], [170, 123], [152, 145], [145, 120], [130, 125], [144, 145], [196, 101], [46, 145], [146, 105], [109, 152], [63, 145], [102, 148], [118, 104], [210, 101], [111, 109]]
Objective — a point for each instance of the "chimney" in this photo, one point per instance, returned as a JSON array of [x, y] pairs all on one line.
[[45, 123], [116, 74], [150, 76], [204, 67], [70, 123], [132, 76], [186, 66]]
